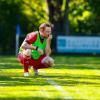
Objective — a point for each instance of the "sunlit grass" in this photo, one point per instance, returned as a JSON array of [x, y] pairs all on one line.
[[78, 76]]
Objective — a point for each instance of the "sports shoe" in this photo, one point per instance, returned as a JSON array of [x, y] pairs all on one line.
[[35, 72], [26, 74]]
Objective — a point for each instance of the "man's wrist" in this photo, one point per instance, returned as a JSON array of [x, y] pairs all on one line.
[[32, 47], [36, 48]]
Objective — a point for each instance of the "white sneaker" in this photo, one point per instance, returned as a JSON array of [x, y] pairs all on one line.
[[35, 72], [26, 74]]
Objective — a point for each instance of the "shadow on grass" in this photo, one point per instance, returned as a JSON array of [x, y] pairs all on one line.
[[77, 59], [64, 62], [73, 66], [61, 66], [39, 81], [35, 98], [7, 59], [20, 81], [9, 62], [10, 66], [76, 82], [66, 76], [68, 80], [65, 80]]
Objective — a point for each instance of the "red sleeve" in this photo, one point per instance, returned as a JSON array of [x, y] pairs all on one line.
[[31, 37]]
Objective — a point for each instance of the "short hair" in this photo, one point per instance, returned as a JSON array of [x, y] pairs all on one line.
[[43, 25]]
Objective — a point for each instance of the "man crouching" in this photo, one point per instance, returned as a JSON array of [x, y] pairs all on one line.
[[35, 50]]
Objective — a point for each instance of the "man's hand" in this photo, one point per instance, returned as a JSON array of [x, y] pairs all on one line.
[[40, 51], [50, 37], [48, 48]]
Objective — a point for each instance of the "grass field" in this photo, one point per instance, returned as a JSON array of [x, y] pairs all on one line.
[[72, 78]]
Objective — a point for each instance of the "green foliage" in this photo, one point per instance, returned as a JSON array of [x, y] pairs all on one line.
[[84, 18], [28, 13], [36, 13], [94, 4], [9, 11], [81, 17]]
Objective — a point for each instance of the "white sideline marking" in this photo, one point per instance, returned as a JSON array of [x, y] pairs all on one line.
[[44, 93], [59, 88]]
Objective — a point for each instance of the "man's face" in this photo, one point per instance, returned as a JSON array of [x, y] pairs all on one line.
[[47, 32]]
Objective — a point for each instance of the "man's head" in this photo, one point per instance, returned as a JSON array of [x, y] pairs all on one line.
[[45, 30]]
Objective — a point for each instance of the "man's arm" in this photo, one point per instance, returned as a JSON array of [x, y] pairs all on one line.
[[25, 45], [31, 38], [48, 48]]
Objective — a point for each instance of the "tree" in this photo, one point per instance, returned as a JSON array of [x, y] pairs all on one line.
[[24, 12], [82, 16], [95, 8], [59, 16]]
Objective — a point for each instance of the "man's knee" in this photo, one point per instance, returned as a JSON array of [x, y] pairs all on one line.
[[51, 61], [48, 60]]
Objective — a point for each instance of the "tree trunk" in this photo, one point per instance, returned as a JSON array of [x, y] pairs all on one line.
[[66, 29], [55, 18], [60, 23]]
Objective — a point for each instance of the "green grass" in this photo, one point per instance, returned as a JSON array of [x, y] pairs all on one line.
[[78, 76]]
